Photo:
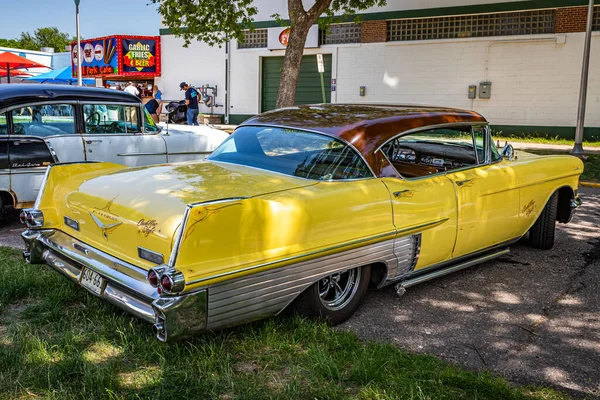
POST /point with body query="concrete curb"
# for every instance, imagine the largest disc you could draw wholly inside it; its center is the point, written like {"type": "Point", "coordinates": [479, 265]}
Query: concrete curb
{"type": "Point", "coordinates": [590, 185]}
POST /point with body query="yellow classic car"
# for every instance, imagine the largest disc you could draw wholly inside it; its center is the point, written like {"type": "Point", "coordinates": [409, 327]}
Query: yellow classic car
{"type": "Point", "coordinates": [304, 206]}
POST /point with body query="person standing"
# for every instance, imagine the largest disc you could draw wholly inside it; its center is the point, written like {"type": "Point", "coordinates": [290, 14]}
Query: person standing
{"type": "Point", "coordinates": [131, 89]}
{"type": "Point", "coordinates": [157, 95]}
{"type": "Point", "coordinates": [191, 101]}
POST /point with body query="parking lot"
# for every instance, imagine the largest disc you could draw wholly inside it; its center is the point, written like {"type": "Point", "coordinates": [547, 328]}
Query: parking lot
{"type": "Point", "coordinates": [532, 317]}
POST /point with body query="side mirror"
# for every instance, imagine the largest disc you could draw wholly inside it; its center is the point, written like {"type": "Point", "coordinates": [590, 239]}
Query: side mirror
{"type": "Point", "coordinates": [508, 152]}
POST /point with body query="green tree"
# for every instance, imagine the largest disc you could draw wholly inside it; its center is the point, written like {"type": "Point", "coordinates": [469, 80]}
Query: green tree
{"type": "Point", "coordinates": [216, 21]}
{"type": "Point", "coordinates": [13, 43]}
{"type": "Point", "coordinates": [42, 37]}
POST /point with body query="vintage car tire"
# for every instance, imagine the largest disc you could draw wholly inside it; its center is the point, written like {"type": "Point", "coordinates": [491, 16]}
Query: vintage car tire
{"type": "Point", "coordinates": [541, 234]}
{"type": "Point", "coordinates": [310, 303]}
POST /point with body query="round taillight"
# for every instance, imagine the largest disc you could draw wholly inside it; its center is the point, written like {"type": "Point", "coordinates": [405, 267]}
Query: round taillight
{"type": "Point", "coordinates": [22, 217]}
{"type": "Point", "coordinates": [29, 218]}
{"type": "Point", "coordinates": [153, 278]}
{"type": "Point", "coordinates": [159, 290]}
{"type": "Point", "coordinates": [166, 283]}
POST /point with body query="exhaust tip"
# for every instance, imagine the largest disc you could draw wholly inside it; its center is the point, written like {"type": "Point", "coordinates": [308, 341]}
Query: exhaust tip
{"type": "Point", "coordinates": [159, 331]}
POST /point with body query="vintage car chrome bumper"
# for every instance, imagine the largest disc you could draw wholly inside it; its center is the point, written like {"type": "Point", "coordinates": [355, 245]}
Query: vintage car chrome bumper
{"type": "Point", "coordinates": [124, 284]}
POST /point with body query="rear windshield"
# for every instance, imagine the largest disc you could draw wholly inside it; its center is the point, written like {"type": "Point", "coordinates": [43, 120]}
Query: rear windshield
{"type": "Point", "coordinates": [292, 152]}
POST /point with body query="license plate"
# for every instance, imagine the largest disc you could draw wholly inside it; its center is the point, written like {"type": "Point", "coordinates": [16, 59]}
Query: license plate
{"type": "Point", "coordinates": [92, 281]}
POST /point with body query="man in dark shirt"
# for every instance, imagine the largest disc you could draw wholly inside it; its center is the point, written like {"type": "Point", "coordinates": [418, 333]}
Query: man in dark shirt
{"type": "Point", "coordinates": [191, 101]}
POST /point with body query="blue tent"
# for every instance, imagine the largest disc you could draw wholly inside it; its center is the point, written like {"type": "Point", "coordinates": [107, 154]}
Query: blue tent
{"type": "Point", "coordinates": [61, 75]}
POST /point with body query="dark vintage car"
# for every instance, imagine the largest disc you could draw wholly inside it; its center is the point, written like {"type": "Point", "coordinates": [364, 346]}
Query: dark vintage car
{"type": "Point", "coordinates": [44, 124]}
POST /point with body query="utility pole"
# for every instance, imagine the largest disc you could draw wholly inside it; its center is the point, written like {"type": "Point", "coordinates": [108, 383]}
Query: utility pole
{"type": "Point", "coordinates": [79, 80]}
{"type": "Point", "coordinates": [578, 146]}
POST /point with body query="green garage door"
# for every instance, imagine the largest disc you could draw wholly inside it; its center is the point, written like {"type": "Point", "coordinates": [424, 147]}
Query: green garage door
{"type": "Point", "coordinates": [309, 83]}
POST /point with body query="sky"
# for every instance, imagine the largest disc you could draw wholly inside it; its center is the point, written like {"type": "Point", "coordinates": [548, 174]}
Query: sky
{"type": "Point", "coordinates": [96, 18]}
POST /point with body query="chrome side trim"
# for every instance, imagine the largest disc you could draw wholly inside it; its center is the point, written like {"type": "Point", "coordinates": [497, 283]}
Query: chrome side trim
{"type": "Point", "coordinates": [140, 154]}
{"type": "Point", "coordinates": [445, 271]}
{"type": "Point", "coordinates": [285, 260]}
{"type": "Point", "coordinates": [406, 250]}
{"type": "Point", "coordinates": [38, 199]}
{"type": "Point", "coordinates": [267, 293]}
{"type": "Point", "coordinates": [422, 226]}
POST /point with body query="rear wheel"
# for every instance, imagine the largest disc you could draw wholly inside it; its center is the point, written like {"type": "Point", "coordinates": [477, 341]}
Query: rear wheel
{"type": "Point", "coordinates": [335, 297]}
{"type": "Point", "coordinates": [541, 234]}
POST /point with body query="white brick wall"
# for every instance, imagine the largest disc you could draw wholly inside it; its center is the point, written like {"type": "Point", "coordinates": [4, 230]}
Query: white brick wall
{"type": "Point", "coordinates": [533, 83]}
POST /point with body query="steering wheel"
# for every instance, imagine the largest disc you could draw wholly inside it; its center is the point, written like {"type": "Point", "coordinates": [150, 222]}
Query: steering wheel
{"type": "Point", "coordinates": [115, 128]}
{"type": "Point", "coordinates": [89, 119]}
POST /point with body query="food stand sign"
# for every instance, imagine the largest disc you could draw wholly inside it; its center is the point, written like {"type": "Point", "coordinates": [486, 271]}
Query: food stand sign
{"type": "Point", "coordinates": [99, 57]}
{"type": "Point", "coordinates": [118, 56]}
{"type": "Point", "coordinates": [139, 55]}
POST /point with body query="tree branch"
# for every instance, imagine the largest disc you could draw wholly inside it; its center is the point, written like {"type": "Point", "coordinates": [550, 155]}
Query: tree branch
{"type": "Point", "coordinates": [318, 8]}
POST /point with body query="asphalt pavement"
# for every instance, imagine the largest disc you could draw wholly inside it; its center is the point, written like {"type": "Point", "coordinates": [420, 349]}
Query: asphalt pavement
{"type": "Point", "coordinates": [532, 316]}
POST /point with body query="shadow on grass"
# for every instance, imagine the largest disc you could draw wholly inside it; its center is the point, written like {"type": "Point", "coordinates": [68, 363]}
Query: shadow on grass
{"type": "Point", "coordinates": [58, 341]}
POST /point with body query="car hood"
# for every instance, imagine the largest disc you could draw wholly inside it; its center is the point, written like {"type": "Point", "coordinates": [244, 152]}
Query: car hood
{"type": "Point", "coordinates": [143, 207]}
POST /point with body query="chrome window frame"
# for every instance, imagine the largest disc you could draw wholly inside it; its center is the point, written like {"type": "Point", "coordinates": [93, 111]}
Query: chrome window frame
{"type": "Point", "coordinates": [373, 175]}
{"type": "Point", "coordinates": [487, 144]}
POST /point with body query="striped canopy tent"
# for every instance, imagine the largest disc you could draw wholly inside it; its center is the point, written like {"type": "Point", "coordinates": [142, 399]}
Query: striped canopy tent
{"type": "Point", "coordinates": [10, 62]}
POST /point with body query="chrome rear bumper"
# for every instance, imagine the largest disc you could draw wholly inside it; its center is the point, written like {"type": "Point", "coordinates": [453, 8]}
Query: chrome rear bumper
{"type": "Point", "coordinates": [124, 285]}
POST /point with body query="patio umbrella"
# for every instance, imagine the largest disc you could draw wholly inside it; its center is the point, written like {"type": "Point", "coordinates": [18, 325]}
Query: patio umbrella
{"type": "Point", "coordinates": [61, 75]}
{"type": "Point", "coordinates": [10, 61]}
{"type": "Point", "coordinates": [13, 72]}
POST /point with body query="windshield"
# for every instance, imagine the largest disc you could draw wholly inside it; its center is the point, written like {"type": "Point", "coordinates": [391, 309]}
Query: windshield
{"type": "Point", "coordinates": [292, 152]}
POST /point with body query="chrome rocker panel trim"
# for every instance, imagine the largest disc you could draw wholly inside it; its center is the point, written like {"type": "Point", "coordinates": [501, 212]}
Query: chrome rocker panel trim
{"type": "Point", "coordinates": [125, 284]}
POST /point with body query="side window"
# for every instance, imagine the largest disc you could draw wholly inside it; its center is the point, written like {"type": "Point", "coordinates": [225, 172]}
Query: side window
{"type": "Point", "coordinates": [3, 125]}
{"type": "Point", "coordinates": [111, 118]}
{"type": "Point", "coordinates": [44, 120]}
{"type": "Point", "coordinates": [149, 124]}
{"type": "Point", "coordinates": [436, 151]}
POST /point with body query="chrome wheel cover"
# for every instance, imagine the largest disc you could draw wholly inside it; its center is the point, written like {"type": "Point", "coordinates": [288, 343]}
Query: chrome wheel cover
{"type": "Point", "coordinates": [337, 290]}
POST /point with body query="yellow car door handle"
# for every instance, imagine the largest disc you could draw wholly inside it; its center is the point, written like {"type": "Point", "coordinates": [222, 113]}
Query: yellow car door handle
{"type": "Point", "coordinates": [460, 183]}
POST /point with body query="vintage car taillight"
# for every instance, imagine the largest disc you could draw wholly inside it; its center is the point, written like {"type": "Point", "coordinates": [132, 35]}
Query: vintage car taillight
{"type": "Point", "coordinates": [32, 218]}
{"type": "Point", "coordinates": [153, 278]}
{"type": "Point", "coordinates": [172, 281]}
{"type": "Point", "coordinates": [166, 282]}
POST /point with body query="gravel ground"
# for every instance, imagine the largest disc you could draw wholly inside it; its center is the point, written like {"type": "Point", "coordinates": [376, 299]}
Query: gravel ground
{"type": "Point", "coordinates": [532, 316]}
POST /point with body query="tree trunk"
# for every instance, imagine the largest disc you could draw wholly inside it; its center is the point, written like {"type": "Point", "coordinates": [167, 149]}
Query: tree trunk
{"type": "Point", "coordinates": [301, 22]}
{"type": "Point", "coordinates": [292, 62]}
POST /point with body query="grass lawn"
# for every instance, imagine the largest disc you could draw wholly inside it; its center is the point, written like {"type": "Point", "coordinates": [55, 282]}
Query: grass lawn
{"type": "Point", "coordinates": [591, 172]}
{"type": "Point", "coordinates": [59, 342]}
{"type": "Point", "coordinates": [542, 138]}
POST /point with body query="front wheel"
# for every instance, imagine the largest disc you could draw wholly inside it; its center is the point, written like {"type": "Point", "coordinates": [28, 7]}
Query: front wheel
{"type": "Point", "coordinates": [335, 297]}
{"type": "Point", "coordinates": [541, 234]}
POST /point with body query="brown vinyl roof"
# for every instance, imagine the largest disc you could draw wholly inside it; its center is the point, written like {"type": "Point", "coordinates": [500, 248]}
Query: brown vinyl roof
{"type": "Point", "coordinates": [366, 126]}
